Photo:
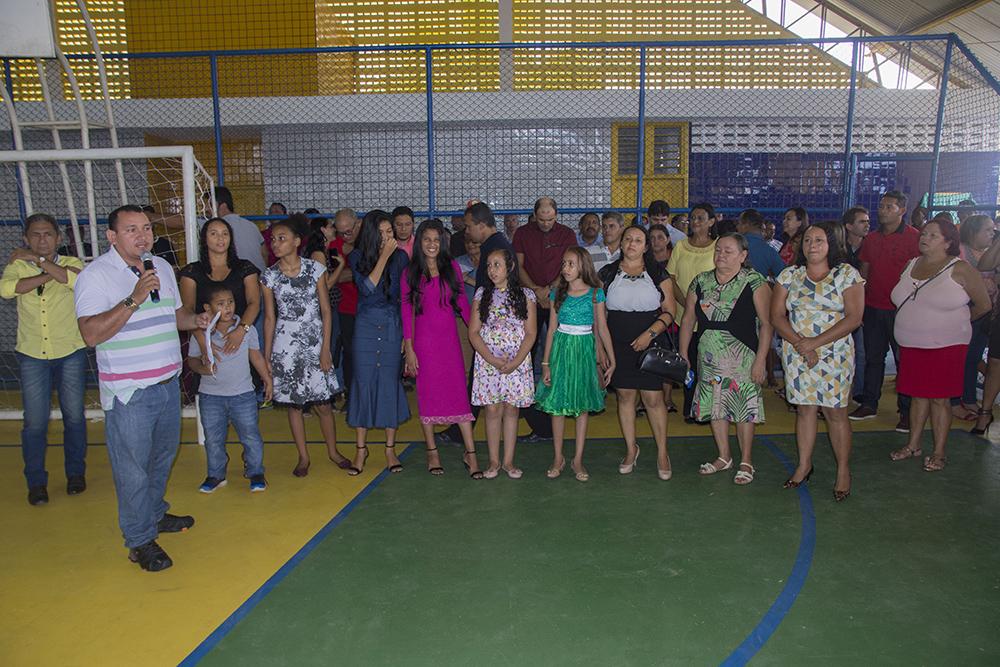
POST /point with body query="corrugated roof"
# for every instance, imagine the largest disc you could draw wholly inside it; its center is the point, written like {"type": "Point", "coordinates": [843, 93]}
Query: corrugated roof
{"type": "Point", "coordinates": [976, 22]}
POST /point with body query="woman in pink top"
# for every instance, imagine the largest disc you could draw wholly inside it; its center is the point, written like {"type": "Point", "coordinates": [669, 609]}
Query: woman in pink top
{"type": "Point", "coordinates": [933, 328]}
{"type": "Point", "coordinates": [432, 299]}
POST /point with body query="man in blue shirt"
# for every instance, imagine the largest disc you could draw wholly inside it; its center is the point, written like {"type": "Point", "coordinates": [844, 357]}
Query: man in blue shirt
{"type": "Point", "coordinates": [763, 257]}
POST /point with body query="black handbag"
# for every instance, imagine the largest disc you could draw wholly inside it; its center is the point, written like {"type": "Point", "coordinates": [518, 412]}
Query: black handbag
{"type": "Point", "coordinates": [662, 361]}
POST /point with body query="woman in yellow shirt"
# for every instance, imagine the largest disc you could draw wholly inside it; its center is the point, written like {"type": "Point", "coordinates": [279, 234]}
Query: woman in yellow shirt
{"type": "Point", "coordinates": [693, 255]}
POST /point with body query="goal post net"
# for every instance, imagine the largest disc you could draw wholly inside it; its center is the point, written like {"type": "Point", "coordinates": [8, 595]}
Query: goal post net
{"type": "Point", "coordinates": [79, 187]}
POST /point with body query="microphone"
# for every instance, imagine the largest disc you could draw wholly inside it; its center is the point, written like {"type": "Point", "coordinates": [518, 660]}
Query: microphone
{"type": "Point", "coordinates": [147, 264]}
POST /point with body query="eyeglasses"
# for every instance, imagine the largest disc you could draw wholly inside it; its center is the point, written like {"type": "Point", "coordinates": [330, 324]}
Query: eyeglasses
{"type": "Point", "coordinates": [40, 289]}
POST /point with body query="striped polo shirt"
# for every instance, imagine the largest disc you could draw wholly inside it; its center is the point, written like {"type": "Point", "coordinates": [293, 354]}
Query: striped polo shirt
{"type": "Point", "coordinates": [147, 349]}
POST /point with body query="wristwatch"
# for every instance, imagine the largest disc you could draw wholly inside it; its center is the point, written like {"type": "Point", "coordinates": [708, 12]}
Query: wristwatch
{"type": "Point", "coordinates": [246, 328]}
{"type": "Point", "coordinates": [130, 303]}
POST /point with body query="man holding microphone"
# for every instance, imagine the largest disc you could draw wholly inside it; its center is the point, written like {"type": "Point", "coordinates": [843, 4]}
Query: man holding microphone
{"type": "Point", "coordinates": [129, 307]}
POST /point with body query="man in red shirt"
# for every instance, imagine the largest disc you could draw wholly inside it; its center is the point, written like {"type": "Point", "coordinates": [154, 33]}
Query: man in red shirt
{"type": "Point", "coordinates": [884, 254]}
{"type": "Point", "coordinates": [539, 246]}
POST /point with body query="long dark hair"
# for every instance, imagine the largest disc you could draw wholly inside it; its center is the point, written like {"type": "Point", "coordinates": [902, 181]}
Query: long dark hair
{"type": "Point", "coordinates": [835, 254]}
{"type": "Point", "coordinates": [317, 239]}
{"type": "Point", "coordinates": [515, 294]}
{"type": "Point", "coordinates": [419, 270]}
{"type": "Point", "coordinates": [588, 274]}
{"type": "Point", "coordinates": [369, 244]}
{"type": "Point", "coordinates": [232, 259]}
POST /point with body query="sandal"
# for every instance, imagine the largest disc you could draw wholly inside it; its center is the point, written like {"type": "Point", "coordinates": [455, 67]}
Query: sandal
{"type": "Point", "coordinates": [975, 430]}
{"type": "Point", "coordinates": [491, 472]}
{"type": "Point", "coordinates": [581, 475]}
{"type": "Point", "coordinates": [905, 453]}
{"type": "Point", "coordinates": [395, 467]}
{"type": "Point", "coordinates": [711, 468]}
{"type": "Point", "coordinates": [744, 477]}
{"type": "Point", "coordinates": [513, 472]}
{"type": "Point", "coordinates": [301, 470]}
{"type": "Point", "coordinates": [552, 473]}
{"type": "Point", "coordinates": [934, 463]}
{"type": "Point", "coordinates": [478, 474]}
{"type": "Point", "coordinates": [354, 471]}
{"type": "Point", "coordinates": [436, 470]}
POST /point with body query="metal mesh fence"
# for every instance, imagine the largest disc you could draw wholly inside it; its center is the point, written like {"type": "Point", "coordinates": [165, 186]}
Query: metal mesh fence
{"type": "Point", "coordinates": [968, 167]}
{"type": "Point", "coordinates": [767, 125]}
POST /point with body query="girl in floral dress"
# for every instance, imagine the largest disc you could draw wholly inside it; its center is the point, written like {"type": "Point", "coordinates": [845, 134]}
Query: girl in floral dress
{"type": "Point", "coordinates": [297, 321]}
{"type": "Point", "coordinates": [502, 331]}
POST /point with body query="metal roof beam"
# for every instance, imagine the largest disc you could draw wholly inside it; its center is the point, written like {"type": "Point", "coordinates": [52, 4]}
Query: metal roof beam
{"type": "Point", "coordinates": [965, 8]}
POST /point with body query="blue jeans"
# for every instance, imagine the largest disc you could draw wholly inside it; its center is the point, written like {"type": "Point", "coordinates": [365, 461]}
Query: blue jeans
{"type": "Point", "coordinates": [143, 437]}
{"type": "Point", "coordinates": [858, 387]}
{"type": "Point", "coordinates": [216, 413]}
{"type": "Point", "coordinates": [37, 378]}
{"type": "Point", "coordinates": [877, 330]}
{"type": "Point", "coordinates": [335, 347]}
{"type": "Point", "coordinates": [258, 324]}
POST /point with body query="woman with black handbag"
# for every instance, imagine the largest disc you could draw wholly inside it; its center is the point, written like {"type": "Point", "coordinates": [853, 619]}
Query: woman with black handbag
{"type": "Point", "coordinates": [641, 306]}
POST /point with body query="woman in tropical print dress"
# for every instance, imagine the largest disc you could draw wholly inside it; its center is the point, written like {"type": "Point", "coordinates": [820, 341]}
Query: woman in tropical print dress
{"type": "Point", "coordinates": [731, 307]}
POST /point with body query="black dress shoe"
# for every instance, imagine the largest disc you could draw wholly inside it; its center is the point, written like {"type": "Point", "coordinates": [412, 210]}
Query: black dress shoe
{"type": "Point", "coordinates": [531, 437]}
{"type": "Point", "coordinates": [38, 495]}
{"type": "Point", "coordinates": [76, 484]}
{"type": "Point", "coordinates": [150, 557]}
{"type": "Point", "coordinates": [171, 523]}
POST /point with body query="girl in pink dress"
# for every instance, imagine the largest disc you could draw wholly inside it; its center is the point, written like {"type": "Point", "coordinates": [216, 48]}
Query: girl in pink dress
{"type": "Point", "coordinates": [502, 331]}
{"type": "Point", "coordinates": [432, 298]}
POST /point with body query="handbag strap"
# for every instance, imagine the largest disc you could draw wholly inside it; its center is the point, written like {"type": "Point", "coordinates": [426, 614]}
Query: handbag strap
{"type": "Point", "coordinates": [925, 283]}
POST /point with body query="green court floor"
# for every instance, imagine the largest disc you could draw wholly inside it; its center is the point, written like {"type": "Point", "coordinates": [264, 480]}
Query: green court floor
{"type": "Point", "coordinates": [629, 570]}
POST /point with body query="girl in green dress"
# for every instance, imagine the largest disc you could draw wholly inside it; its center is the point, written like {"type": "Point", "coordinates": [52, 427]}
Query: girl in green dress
{"type": "Point", "coordinates": [572, 384]}
{"type": "Point", "coordinates": [731, 306]}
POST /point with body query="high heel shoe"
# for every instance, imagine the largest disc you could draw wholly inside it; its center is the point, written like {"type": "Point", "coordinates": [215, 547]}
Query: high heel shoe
{"type": "Point", "coordinates": [624, 469]}
{"type": "Point", "coordinates": [435, 470]}
{"type": "Point", "coordinates": [396, 467]}
{"type": "Point", "coordinates": [790, 484]}
{"type": "Point", "coordinates": [354, 471]}
{"type": "Point", "coordinates": [478, 474]}
{"type": "Point", "coordinates": [975, 430]}
{"type": "Point", "coordinates": [552, 473]}
{"type": "Point", "coordinates": [841, 496]}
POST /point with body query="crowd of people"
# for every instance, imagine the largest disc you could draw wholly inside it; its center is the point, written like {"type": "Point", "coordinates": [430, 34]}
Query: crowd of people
{"type": "Point", "coordinates": [318, 314]}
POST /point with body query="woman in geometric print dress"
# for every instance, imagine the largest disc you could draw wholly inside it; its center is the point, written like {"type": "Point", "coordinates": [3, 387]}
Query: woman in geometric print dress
{"type": "Point", "coordinates": [817, 303]}
{"type": "Point", "coordinates": [731, 306]}
{"type": "Point", "coordinates": [297, 321]}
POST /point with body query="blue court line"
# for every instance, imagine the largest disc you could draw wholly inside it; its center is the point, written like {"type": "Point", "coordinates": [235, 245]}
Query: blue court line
{"type": "Point", "coordinates": [796, 580]}
{"type": "Point", "coordinates": [241, 612]}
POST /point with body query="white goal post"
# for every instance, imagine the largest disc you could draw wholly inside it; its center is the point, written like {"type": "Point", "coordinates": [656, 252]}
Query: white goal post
{"type": "Point", "coordinates": [167, 178]}
{"type": "Point", "coordinates": [184, 153]}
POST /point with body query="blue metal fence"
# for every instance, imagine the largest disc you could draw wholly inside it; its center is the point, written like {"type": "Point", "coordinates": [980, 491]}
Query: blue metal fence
{"type": "Point", "coordinates": [769, 181]}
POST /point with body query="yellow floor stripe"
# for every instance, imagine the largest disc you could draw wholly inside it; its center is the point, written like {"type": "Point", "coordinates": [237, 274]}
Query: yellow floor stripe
{"type": "Point", "coordinates": [71, 597]}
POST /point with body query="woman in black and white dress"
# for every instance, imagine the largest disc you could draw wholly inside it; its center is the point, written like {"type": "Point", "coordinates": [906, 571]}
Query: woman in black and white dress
{"type": "Point", "coordinates": [641, 306]}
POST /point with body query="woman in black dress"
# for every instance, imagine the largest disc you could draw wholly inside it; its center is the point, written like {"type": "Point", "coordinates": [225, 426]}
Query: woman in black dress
{"type": "Point", "coordinates": [641, 306]}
